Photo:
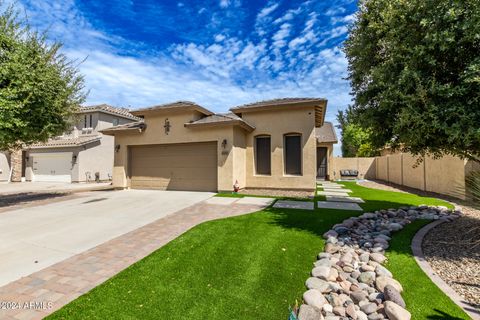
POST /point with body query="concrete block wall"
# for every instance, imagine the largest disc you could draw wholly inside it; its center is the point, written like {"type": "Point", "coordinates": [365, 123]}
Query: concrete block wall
{"type": "Point", "coordinates": [445, 175]}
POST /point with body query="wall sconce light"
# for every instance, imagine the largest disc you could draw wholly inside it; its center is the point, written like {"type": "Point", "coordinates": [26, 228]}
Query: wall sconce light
{"type": "Point", "coordinates": [117, 148]}
{"type": "Point", "coordinates": [27, 158]}
{"type": "Point", "coordinates": [74, 158]}
{"type": "Point", "coordinates": [224, 143]}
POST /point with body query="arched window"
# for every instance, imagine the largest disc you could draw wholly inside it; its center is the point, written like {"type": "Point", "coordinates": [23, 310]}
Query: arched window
{"type": "Point", "coordinates": [263, 155]}
{"type": "Point", "coordinates": [292, 146]}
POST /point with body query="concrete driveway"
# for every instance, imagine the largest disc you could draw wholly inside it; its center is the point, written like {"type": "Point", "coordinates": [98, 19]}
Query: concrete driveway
{"type": "Point", "coordinates": [50, 187]}
{"type": "Point", "coordinates": [36, 237]}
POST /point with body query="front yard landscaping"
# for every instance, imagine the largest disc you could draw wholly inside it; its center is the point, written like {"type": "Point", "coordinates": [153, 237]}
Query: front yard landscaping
{"type": "Point", "coordinates": [252, 267]}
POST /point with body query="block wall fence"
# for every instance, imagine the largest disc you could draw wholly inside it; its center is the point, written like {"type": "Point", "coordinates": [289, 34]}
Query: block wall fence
{"type": "Point", "coordinates": [445, 175]}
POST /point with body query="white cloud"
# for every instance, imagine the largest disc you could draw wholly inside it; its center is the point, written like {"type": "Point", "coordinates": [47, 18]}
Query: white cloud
{"type": "Point", "coordinates": [263, 18]}
{"type": "Point", "coordinates": [221, 73]}
{"type": "Point", "coordinates": [290, 15]}
{"type": "Point", "coordinates": [279, 38]}
{"type": "Point", "coordinates": [267, 10]}
{"type": "Point", "coordinates": [219, 37]}
{"type": "Point", "coordinates": [224, 3]}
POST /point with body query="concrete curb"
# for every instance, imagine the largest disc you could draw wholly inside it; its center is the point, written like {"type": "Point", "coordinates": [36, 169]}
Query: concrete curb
{"type": "Point", "coordinates": [422, 262]}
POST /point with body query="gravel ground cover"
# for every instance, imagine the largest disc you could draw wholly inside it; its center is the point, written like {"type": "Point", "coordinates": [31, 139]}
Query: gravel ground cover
{"type": "Point", "coordinates": [453, 249]}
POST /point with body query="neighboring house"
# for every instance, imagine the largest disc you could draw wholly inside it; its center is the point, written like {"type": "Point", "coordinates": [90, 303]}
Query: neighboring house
{"type": "Point", "coordinates": [183, 146]}
{"type": "Point", "coordinates": [82, 154]}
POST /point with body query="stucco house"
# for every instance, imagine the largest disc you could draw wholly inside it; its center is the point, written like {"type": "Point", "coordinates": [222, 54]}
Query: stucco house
{"type": "Point", "coordinates": [82, 154]}
{"type": "Point", "coordinates": [183, 146]}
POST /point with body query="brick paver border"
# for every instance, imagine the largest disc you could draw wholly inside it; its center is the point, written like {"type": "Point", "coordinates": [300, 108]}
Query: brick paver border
{"type": "Point", "coordinates": [53, 287]}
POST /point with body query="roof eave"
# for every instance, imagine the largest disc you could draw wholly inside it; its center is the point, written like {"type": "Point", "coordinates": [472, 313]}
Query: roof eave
{"type": "Point", "coordinates": [273, 106]}
{"type": "Point", "coordinates": [172, 109]}
{"type": "Point", "coordinates": [320, 111]}
{"type": "Point", "coordinates": [239, 123]}
{"type": "Point", "coordinates": [63, 146]}
{"type": "Point", "coordinates": [328, 141]}
{"type": "Point", "coordinates": [110, 113]}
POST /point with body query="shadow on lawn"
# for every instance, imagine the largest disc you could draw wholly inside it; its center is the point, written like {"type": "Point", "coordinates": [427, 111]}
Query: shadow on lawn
{"type": "Point", "coordinates": [442, 316]}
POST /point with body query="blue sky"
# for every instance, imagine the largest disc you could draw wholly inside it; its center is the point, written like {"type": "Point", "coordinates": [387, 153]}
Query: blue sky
{"type": "Point", "coordinates": [218, 53]}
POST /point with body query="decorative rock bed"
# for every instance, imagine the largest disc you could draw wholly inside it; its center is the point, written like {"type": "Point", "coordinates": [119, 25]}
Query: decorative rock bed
{"type": "Point", "coordinates": [348, 280]}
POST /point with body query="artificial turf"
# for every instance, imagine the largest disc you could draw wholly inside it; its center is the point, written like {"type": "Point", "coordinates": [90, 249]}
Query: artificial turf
{"type": "Point", "coordinates": [246, 267]}
{"type": "Point", "coordinates": [423, 298]}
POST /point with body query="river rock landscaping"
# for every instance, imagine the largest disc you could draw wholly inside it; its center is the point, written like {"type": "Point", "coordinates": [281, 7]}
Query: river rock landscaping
{"type": "Point", "coordinates": [348, 280]}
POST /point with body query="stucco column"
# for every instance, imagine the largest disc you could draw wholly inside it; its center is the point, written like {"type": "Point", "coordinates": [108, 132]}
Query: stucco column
{"type": "Point", "coordinates": [16, 164]}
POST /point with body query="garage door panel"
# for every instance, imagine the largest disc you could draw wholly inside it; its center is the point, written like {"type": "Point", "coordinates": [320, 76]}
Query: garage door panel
{"type": "Point", "coordinates": [184, 174]}
{"type": "Point", "coordinates": [55, 167]}
{"type": "Point", "coordinates": [190, 166]}
{"type": "Point", "coordinates": [177, 162]}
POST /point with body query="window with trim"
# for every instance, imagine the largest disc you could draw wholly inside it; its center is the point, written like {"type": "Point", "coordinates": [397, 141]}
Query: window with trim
{"type": "Point", "coordinates": [263, 155]}
{"type": "Point", "coordinates": [292, 147]}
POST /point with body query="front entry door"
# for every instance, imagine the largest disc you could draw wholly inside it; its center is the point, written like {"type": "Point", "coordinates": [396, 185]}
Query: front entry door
{"type": "Point", "coordinates": [322, 162]}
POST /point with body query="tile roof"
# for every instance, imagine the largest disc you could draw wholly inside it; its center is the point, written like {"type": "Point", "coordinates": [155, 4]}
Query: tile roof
{"type": "Point", "coordinates": [139, 125]}
{"type": "Point", "coordinates": [326, 133]}
{"type": "Point", "coordinates": [276, 102]}
{"type": "Point", "coordinates": [225, 118]}
{"type": "Point", "coordinates": [66, 142]}
{"type": "Point", "coordinates": [123, 112]}
{"type": "Point", "coordinates": [173, 105]}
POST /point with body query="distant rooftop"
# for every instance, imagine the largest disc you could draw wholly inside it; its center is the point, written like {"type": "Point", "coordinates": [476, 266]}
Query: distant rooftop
{"type": "Point", "coordinates": [65, 142]}
{"type": "Point", "coordinates": [277, 102]}
{"type": "Point", "coordinates": [173, 105]}
{"type": "Point", "coordinates": [123, 112]}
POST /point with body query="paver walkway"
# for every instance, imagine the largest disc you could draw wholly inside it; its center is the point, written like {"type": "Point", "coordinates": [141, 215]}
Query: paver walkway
{"type": "Point", "coordinates": [337, 197]}
{"type": "Point", "coordinates": [43, 292]}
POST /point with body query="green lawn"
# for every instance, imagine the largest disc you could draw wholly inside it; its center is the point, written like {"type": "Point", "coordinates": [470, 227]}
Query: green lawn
{"type": "Point", "coordinates": [423, 298]}
{"type": "Point", "coordinates": [247, 267]}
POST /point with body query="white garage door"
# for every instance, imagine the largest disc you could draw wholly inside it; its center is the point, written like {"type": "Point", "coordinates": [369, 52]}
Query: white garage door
{"type": "Point", "coordinates": [56, 167]}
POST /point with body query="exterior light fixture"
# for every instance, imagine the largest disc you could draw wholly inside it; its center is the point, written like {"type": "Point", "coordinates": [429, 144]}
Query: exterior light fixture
{"type": "Point", "coordinates": [74, 158]}
{"type": "Point", "coordinates": [117, 148]}
{"type": "Point", "coordinates": [224, 143]}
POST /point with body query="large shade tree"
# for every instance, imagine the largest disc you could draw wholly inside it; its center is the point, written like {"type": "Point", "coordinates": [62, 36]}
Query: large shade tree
{"type": "Point", "coordinates": [40, 88]}
{"type": "Point", "coordinates": [356, 140]}
{"type": "Point", "coordinates": [414, 68]}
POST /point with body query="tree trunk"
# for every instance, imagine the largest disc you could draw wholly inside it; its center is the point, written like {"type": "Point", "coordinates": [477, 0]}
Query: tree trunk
{"type": "Point", "coordinates": [16, 165]}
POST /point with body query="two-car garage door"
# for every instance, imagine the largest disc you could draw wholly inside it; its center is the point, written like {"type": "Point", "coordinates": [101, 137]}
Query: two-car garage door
{"type": "Point", "coordinates": [186, 166]}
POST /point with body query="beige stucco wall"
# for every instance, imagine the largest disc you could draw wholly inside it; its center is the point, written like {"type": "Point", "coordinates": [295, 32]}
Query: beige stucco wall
{"type": "Point", "coordinates": [276, 124]}
{"type": "Point", "coordinates": [413, 172]}
{"type": "Point", "coordinates": [382, 168]}
{"type": "Point", "coordinates": [4, 166]}
{"type": "Point", "coordinates": [366, 166]}
{"type": "Point", "coordinates": [96, 157]}
{"type": "Point", "coordinates": [445, 175]}
{"type": "Point", "coordinates": [239, 157]}
{"type": "Point", "coordinates": [155, 134]}
{"type": "Point", "coordinates": [395, 168]}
